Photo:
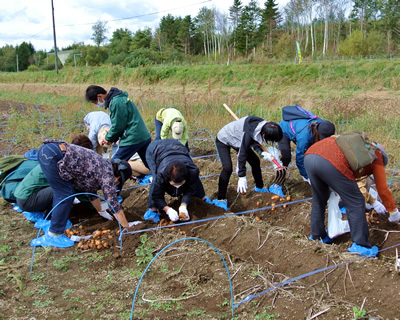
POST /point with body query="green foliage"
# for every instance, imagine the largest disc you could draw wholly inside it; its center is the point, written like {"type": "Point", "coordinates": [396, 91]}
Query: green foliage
{"type": "Point", "coordinates": [94, 56]}
{"type": "Point", "coordinates": [144, 252]}
{"type": "Point", "coordinates": [359, 313]}
{"type": "Point", "coordinates": [25, 52]}
{"type": "Point", "coordinates": [99, 32]}
{"type": "Point", "coordinates": [33, 68]}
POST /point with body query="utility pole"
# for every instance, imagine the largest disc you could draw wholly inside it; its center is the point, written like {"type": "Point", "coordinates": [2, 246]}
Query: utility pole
{"type": "Point", "coordinates": [54, 36]}
{"type": "Point", "coordinates": [17, 64]}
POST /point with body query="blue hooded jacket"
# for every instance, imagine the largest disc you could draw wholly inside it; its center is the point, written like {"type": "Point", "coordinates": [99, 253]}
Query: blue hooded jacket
{"type": "Point", "coordinates": [298, 131]}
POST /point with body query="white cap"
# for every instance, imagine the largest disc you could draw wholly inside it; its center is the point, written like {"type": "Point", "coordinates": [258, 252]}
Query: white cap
{"type": "Point", "coordinates": [177, 130]}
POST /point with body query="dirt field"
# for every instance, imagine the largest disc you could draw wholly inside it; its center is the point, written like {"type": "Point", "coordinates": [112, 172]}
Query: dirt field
{"type": "Point", "coordinates": [262, 249]}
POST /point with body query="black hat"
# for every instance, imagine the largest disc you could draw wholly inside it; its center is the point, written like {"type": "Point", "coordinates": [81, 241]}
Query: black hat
{"type": "Point", "coordinates": [326, 129]}
{"type": "Point", "coordinates": [125, 171]}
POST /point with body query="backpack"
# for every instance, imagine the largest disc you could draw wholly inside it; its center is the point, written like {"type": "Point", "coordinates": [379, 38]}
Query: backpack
{"type": "Point", "coordinates": [11, 181]}
{"type": "Point", "coordinates": [357, 149]}
{"type": "Point", "coordinates": [296, 112]}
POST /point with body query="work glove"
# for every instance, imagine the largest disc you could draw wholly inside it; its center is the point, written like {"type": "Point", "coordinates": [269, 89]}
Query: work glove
{"type": "Point", "coordinates": [152, 216]}
{"type": "Point", "coordinates": [134, 223]}
{"type": "Point", "coordinates": [378, 207]}
{"type": "Point", "coordinates": [183, 213]}
{"type": "Point", "coordinates": [307, 180]}
{"type": "Point", "coordinates": [106, 215]}
{"type": "Point", "coordinates": [172, 214]}
{"type": "Point", "coordinates": [394, 216]}
{"type": "Point", "coordinates": [242, 185]}
{"type": "Point", "coordinates": [266, 156]}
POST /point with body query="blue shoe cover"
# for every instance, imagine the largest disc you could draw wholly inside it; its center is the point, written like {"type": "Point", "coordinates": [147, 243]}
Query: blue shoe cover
{"type": "Point", "coordinates": [221, 204]}
{"type": "Point", "coordinates": [260, 189]}
{"type": "Point", "coordinates": [49, 241]}
{"type": "Point", "coordinates": [274, 188]}
{"type": "Point", "coordinates": [326, 240]}
{"type": "Point", "coordinates": [207, 200]}
{"type": "Point", "coordinates": [363, 251]}
{"type": "Point", "coordinates": [16, 208]}
{"type": "Point", "coordinates": [45, 225]}
{"type": "Point", "coordinates": [343, 210]}
{"type": "Point", "coordinates": [120, 199]}
{"type": "Point", "coordinates": [152, 216]}
{"type": "Point", "coordinates": [145, 180]}
{"type": "Point", "coordinates": [33, 216]}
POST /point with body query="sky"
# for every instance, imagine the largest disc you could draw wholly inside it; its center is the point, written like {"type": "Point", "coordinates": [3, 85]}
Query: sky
{"type": "Point", "coordinates": [31, 21]}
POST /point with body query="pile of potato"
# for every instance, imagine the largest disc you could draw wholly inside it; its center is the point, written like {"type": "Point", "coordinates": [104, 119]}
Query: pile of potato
{"type": "Point", "coordinates": [99, 240]}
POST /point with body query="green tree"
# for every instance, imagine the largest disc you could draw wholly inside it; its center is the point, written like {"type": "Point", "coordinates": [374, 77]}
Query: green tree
{"type": "Point", "coordinates": [142, 39]}
{"type": "Point", "coordinates": [99, 32]}
{"type": "Point", "coordinates": [120, 41]}
{"type": "Point", "coordinates": [235, 13]}
{"type": "Point", "coordinates": [391, 21]}
{"type": "Point", "coordinates": [94, 56]}
{"type": "Point", "coordinates": [269, 20]}
{"type": "Point", "coordinates": [8, 61]}
{"type": "Point", "coordinates": [205, 26]}
{"type": "Point", "coordinates": [25, 53]}
{"type": "Point", "coordinates": [247, 28]}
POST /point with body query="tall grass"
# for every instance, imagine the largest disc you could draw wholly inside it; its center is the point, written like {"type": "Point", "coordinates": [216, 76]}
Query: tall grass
{"type": "Point", "coordinates": [362, 93]}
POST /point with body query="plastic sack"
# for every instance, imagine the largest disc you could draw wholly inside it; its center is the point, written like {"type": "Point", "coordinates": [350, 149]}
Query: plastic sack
{"type": "Point", "coordinates": [336, 226]}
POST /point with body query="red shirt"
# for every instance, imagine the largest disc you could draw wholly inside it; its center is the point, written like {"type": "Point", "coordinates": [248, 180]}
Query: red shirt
{"type": "Point", "coordinates": [329, 150]}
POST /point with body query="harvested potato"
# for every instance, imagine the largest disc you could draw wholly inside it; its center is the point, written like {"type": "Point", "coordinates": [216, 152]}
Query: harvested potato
{"type": "Point", "coordinates": [182, 232]}
{"type": "Point", "coordinates": [288, 198]}
{"type": "Point", "coordinates": [274, 197]}
{"type": "Point", "coordinates": [258, 219]}
{"type": "Point", "coordinates": [183, 216]}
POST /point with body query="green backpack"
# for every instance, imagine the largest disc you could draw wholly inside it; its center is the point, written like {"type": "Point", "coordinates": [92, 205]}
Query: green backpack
{"type": "Point", "coordinates": [357, 148]}
{"type": "Point", "coordinates": [14, 177]}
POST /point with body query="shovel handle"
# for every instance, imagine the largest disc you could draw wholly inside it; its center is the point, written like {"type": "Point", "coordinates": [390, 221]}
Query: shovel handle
{"type": "Point", "coordinates": [260, 145]}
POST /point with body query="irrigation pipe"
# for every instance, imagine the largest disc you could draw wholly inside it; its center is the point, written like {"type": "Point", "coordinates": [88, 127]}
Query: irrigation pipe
{"type": "Point", "coordinates": [37, 130]}
{"type": "Point", "coordinates": [340, 128]}
{"type": "Point", "coordinates": [391, 178]}
{"type": "Point", "coordinates": [212, 137]}
{"type": "Point", "coordinates": [73, 195]}
{"type": "Point", "coordinates": [184, 239]}
{"type": "Point", "coordinates": [74, 126]}
{"type": "Point", "coordinates": [305, 275]}
{"type": "Point", "coordinates": [215, 218]}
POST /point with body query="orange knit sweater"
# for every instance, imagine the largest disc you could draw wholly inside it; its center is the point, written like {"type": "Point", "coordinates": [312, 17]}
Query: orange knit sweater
{"type": "Point", "coordinates": [329, 150]}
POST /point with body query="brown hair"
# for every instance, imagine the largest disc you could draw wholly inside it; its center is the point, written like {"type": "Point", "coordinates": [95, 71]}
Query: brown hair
{"type": "Point", "coordinates": [83, 141]}
{"type": "Point", "coordinates": [314, 131]}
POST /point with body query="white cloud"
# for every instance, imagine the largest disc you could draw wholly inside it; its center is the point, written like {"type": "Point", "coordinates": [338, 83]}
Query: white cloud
{"type": "Point", "coordinates": [31, 21]}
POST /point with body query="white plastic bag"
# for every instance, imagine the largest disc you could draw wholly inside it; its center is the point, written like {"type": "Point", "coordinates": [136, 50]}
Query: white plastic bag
{"type": "Point", "coordinates": [336, 226]}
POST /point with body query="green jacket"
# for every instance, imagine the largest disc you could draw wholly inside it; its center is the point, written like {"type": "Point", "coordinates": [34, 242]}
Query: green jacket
{"type": "Point", "coordinates": [34, 181]}
{"type": "Point", "coordinates": [168, 116]}
{"type": "Point", "coordinates": [127, 124]}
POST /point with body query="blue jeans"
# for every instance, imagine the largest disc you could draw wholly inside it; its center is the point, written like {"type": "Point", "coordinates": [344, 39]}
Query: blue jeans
{"type": "Point", "coordinates": [126, 152]}
{"type": "Point", "coordinates": [49, 155]}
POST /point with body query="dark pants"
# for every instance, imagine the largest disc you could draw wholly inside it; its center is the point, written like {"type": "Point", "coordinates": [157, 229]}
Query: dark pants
{"type": "Point", "coordinates": [284, 147]}
{"type": "Point", "coordinates": [49, 155]}
{"type": "Point", "coordinates": [323, 175]}
{"type": "Point", "coordinates": [224, 152]}
{"type": "Point", "coordinates": [126, 152]}
{"type": "Point", "coordinates": [38, 201]}
{"type": "Point", "coordinates": [158, 125]}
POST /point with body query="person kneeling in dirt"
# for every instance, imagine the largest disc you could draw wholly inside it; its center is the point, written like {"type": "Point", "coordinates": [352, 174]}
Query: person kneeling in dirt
{"type": "Point", "coordinates": [171, 120]}
{"type": "Point", "coordinates": [175, 173]}
{"type": "Point", "coordinates": [327, 167]}
{"type": "Point", "coordinates": [298, 127]}
{"type": "Point", "coordinates": [242, 135]}
{"type": "Point", "coordinates": [65, 165]}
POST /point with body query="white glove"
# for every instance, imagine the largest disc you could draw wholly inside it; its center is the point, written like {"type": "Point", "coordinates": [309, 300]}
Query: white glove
{"type": "Point", "coordinates": [104, 206]}
{"type": "Point", "coordinates": [106, 215]}
{"type": "Point", "coordinates": [183, 213]}
{"type": "Point", "coordinates": [134, 223]}
{"type": "Point", "coordinates": [172, 214]}
{"type": "Point", "coordinates": [242, 185]}
{"type": "Point", "coordinates": [378, 207]}
{"type": "Point", "coordinates": [267, 156]}
{"type": "Point", "coordinates": [307, 180]}
{"type": "Point", "coordinates": [394, 216]}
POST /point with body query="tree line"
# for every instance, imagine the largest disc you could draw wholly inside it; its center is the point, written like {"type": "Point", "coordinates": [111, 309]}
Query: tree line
{"type": "Point", "coordinates": [324, 28]}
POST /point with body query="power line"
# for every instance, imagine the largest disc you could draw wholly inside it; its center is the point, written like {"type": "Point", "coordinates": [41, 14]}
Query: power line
{"type": "Point", "coordinates": [134, 17]}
